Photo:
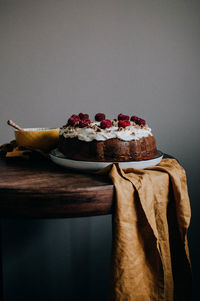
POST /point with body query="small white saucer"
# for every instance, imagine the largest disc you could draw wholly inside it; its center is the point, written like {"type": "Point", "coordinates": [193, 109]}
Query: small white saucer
{"type": "Point", "coordinates": [58, 158]}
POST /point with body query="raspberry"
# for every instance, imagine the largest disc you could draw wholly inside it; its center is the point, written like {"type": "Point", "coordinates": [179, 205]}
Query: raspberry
{"type": "Point", "coordinates": [105, 124]}
{"type": "Point", "coordinates": [123, 123]}
{"type": "Point", "coordinates": [123, 117]}
{"type": "Point", "coordinates": [138, 120]}
{"type": "Point", "coordinates": [141, 122]}
{"type": "Point", "coordinates": [83, 116]}
{"type": "Point", "coordinates": [73, 119]}
{"type": "Point", "coordinates": [84, 122]}
{"type": "Point", "coordinates": [100, 117]}
{"type": "Point", "coordinates": [134, 118]}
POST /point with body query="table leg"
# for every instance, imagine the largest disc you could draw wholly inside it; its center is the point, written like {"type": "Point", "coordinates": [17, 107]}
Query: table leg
{"type": "Point", "coordinates": [1, 264]}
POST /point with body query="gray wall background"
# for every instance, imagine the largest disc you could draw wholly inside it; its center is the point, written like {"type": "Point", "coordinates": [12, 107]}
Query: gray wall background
{"type": "Point", "coordinates": [63, 57]}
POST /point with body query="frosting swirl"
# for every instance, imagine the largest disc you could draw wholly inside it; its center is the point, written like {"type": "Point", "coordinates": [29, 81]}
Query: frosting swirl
{"type": "Point", "coordinates": [94, 132]}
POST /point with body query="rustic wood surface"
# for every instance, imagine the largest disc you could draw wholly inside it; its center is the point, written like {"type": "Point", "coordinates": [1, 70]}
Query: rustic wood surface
{"type": "Point", "coordinates": [42, 189]}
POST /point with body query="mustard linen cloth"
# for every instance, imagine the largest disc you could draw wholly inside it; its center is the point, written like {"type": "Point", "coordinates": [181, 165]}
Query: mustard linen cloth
{"type": "Point", "coordinates": [150, 257]}
{"type": "Point", "coordinates": [13, 150]}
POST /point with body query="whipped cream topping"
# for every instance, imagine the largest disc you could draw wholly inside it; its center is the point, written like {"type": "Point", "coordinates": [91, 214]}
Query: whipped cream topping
{"type": "Point", "coordinates": [94, 132]}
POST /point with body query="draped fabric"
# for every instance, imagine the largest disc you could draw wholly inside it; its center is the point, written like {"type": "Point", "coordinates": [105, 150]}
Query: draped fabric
{"type": "Point", "coordinates": [150, 257]}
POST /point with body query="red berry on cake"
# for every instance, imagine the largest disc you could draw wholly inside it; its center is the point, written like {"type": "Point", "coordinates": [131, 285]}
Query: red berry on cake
{"type": "Point", "coordinates": [105, 124]}
{"type": "Point", "coordinates": [100, 117]}
{"type": "Point", "coordinates": [138, 120]}
{"type": "Point", "coordinates": [83, 116]}
{"type": "Point", "coordinates": [123, 117]}
{"type": "Point", "coordinates": [141, 122]}
{"type": "Point", "coordinates": [73, 119]}
{"type": "Point", "coordinates": [134, 118]}
{"type": "Point", "coordinates": [84, 122]}
{"type": "Point", "coordinates": [75, 116]}
{"type": "Point", "coordinates": [123, 123]}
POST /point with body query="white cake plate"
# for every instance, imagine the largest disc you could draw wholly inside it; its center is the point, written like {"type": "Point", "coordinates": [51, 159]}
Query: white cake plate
{"type": "Point", "coordinates": [58, 158]}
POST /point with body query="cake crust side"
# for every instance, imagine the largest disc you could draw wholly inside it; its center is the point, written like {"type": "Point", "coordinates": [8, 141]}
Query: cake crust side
{"type": "Point", "coordinates": [111, 150]}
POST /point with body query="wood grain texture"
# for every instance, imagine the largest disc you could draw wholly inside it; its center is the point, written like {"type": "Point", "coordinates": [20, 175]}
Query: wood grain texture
{"type": "Point", "coordinates": [45, 190]}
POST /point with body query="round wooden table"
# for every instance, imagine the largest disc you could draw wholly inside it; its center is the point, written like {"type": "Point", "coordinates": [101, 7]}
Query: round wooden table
{"type": "Point", "coordinates": [42, 189]}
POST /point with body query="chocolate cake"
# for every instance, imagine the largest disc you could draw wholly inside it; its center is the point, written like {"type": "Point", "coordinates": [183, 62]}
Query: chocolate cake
{"type": "Point", "coordinates": [119, 140]}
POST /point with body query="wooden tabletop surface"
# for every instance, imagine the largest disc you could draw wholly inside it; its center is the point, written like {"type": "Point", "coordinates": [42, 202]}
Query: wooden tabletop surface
{"type": "Point", "coordinates": [42, 190]}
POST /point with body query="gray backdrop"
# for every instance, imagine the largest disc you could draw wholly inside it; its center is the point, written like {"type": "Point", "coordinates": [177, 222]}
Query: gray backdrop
{"type": "Point", "coordinates": [62, 57]}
